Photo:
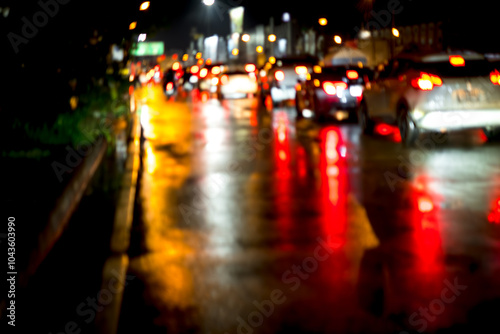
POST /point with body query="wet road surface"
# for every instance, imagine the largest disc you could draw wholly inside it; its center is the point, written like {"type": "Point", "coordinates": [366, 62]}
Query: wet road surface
{"type": "Point", "coordinates": [248, 222]}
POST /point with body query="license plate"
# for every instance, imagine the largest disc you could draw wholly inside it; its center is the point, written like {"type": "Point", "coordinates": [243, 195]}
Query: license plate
{"type": "Point", "coordinates": [339, 115]}
{"type": "Point", "coordinates": [468, 95]}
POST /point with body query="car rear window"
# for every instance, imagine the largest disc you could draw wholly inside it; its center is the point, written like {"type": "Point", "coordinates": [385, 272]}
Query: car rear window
{"type": "Point", "coordinates": [472, 68]}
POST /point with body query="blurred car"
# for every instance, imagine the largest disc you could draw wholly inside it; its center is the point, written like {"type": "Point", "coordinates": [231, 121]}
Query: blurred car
{"type": "Point", "coordinates": [208, 77]}
{"type": "Point", "coordinates": [283, 76]}
{"type": "Point", "coordinates": [238, 82]}
{"type": "Point", "coordinates": [434, 92]}
{"type": "Point", "coordinates": [169, 82]}
{"type": "Point", "coordinates": [331, 92]}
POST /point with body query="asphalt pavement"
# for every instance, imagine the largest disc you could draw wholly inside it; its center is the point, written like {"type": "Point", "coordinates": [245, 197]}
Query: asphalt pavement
{"type": "Point", "coordinates": [250, 222]}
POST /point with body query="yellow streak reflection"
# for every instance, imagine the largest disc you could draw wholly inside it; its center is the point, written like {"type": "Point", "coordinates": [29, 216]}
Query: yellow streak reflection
{"type": "Point", "coordinates": [164, 266]}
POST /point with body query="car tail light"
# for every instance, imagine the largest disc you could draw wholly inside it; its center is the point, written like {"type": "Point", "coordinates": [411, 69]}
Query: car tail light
{"type": "Point", "coordinates": [215, 70]}
{"type": "Point", "coordinates": [457, 61]}
{"type": "Point", "coordinates": [301, 70]}
{"type": "Point", "coordinates": [426, 81]}
{"type": "Point", "coordinates": [352, 74]}
{"type": "Point", "coordinates": [279, 75]}
{"type": "Point", "coordinates": [331, 88]}
{"type": "Point", "coordinates": [195, 69]}
{"type": "Point", "coordinates": [250, 68]}
{"type": "Point", "coordinates": [170, 85]}
{"type": "Point", "coordinates": [495, 77]}
{"type": "Point", "coordinates": [203, 72]}
{"type": "Point", "coordinates": [224, 79]}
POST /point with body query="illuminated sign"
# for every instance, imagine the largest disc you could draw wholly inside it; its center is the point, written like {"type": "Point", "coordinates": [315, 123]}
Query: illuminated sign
{"type": "Point", "coordinates": [148, 49]}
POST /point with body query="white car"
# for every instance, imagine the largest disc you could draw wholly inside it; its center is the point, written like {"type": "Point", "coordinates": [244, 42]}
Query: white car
{"type": "Point", "coordinates": [435, 92]}
{"type": "Point", "coordinates": [238, 84]}
{"type": "Point", "coordinates": [284, 75]}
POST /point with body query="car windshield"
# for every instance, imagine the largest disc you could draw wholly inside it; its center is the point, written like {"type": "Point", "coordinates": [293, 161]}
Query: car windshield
{"type": "Point", "coordinates": [471, 68]}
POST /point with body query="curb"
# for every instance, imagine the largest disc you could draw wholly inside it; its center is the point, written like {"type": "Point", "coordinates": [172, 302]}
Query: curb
{"type": "Point", "coordinates": [65, 206]}
{"type": "Point", "coordinates": [115, 267]}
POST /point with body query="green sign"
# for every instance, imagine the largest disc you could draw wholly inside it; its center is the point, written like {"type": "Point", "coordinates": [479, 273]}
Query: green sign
{"type": "Point", "coordinates": [148, 49]}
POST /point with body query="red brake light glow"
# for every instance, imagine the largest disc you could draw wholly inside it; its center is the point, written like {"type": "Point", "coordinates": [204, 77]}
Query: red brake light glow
{"type": "Point", "coordinates": [301, 70]}
{"type": "Point", "coordinates": [352, 74]}
{"type": "Point", "coordinates": [331, 87]}
{"type": "Point", "coordinates": [426, 81]}
{"type": "Point", "coordinates": [195, 69]}
{"type": "Point", "coordinates": [279, 75]}
{"type": "Point", "coordinates": [170, 85]}
{"type": "Point", "coordinates": [215, 70]}
{"type": "Point", "coordinates": [250, 68]}
{"type": "Point", "coordinates": [425, 204]}
{"type": "Point", "coordinates": [495, 77]}
{"type": "Point", "coordinates": [457, 61]}
{"type": "Point", "coordinates": [224, 79]}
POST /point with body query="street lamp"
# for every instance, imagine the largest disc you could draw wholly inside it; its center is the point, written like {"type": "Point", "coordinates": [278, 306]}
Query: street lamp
{"type": "Point", "coordinates": [245, 38]}
{"type": "Point", "coordinates": [395, 32]}
{"type": "Point", "coordinates": [272, 38]}
{"type": "Point", "coordinates": [322, 21]}
{"type": "Point", "coordinates": [144, 5]}
{"type": "Point", "coordinates": [208, 2]}
{"type": "Point", "coordinates": [132, 25]}
{"type": "Point", "coordinates": [235, 52]}
{"type": "Point", "coordinates": [259, 49]}
{"type": "Point", "coordinates": [337, 39]}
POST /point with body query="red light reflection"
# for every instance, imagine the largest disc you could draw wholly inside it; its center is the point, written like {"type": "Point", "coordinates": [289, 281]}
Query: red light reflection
{"type": "Point", "coordinates": [388, 130]}
{"type": "Point", "coordinates": [494, 215]}
{"type": "Point", "coordinates": [425, 245]}
{"type": "Point", "coordinates": [282, 178]}
{"type": "Point", "coordinates": [333, 186]}
{"type": "Point", "coordinates": [425, 204]}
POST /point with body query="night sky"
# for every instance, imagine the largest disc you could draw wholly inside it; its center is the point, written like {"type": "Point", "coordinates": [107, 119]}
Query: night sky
{"type": "Point", "coordinates": [474, 24]}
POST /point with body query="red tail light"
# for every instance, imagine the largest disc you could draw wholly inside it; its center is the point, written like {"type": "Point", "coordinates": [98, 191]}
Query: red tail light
{"type": "Point", "coordinates": [352, 74]}
{"type": "Point", "coordinates": [224, 79]}
{"type": "Point", "coordinates": [279, 75]}
{"type": "Point", "coordinates": [426, 81]}
{"type": "Point", "coordinates": [331, 88]}
{"type": "Point", "coordinates": [215, 70]}
{"type": "Point", "coordinates": [495, 77]}
{"type": "Point", "coordinates": [170, 85]}
{"type": "Point", "coordinates": [250, 68]}
{"type": "Point", "coordinates": [195, 69]}
{"type": "Point", "coordinates": [301, 70]}
{"type": "Point", "coordinates": [457, 61]}
{"type": "Point", "coordinates": [203, 72]}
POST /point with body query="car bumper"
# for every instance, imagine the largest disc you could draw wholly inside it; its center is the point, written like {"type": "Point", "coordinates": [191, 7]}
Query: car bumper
{"type": "Point", "coordinates": [457, 120]}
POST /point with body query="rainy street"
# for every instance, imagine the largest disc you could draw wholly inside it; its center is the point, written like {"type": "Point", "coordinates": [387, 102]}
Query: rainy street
{"type": "Point", "coordinates": [250, 222]}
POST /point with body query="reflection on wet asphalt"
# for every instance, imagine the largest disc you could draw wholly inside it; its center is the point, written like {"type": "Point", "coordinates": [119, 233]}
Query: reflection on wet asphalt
{"type": "Point", "coordinates": [249, 222]}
